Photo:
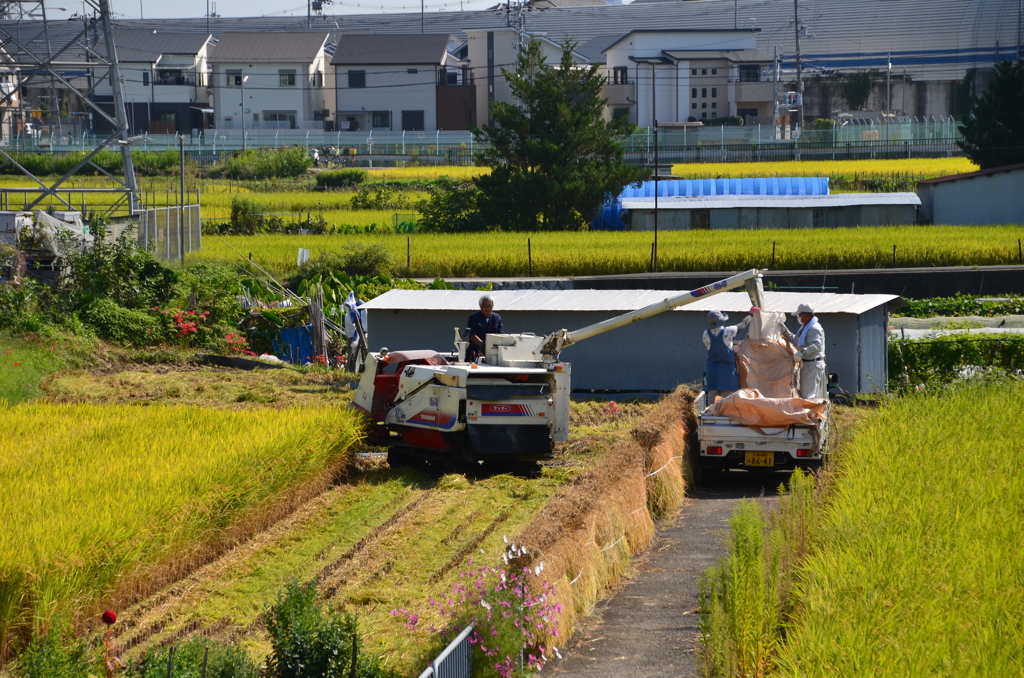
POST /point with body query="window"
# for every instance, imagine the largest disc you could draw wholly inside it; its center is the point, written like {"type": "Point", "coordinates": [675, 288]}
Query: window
{"type": "Point", "coordinates": [714, 92]}
{"type": "Point", "coordinates": [693, 105]}
{"type": "Point", "coordinates": [412, 121]}
{"type": "Point", "coordinates": [714, 115]}
{"type": "Point", "coordinates": [703, 71]}
{"type": "Point", "coordinates": [356, 79]}
{"type": "Point", "coordinates": [714, 71]}
{"type": "Point", "coordinates": [714, 104]}
{"type": "Point", "coordinates": [167, 117]}
{"type": "Point", "coordinates": [746, 112]}
{"type": "Point", "coordinates": [287, 78]}
{"type": "Point", "coordinates": [620, 75]}
{"type": "Point", "coordinates": [703, 115]}
{"type": "Point", "coordinates": [704, 91]}
{"type": "Point", "coordinates": [620, 114]}
{"type": "Point", "coordinates": [277, 116]}
{"type": "Point", "coordinates": [412, 71]}
{"type": "Point", "coordinates": [228, 118]}
{"type": "Point", "coordinates": [173, 77]}
{"type": "Point", "coordinates": [693, 71]}
{"type": "Point", "coordinates": [380, 119]}
{"type": "Point", "coordinates": [318, 79]}
{"type": "Point", "coordinates": [234, 78]}
{"type": "Point", "coordinates": [145, 78]}
{"type": "Point", "coordinates": [704, 105]}
{"type": "Point", "coordinates": [750, 73]}
{"type": "Point", "coordinates": [693, 92]}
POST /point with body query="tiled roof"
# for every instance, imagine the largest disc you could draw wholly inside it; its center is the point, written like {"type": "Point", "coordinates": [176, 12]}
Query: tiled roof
{"type": "Point", "coordinates": [266, 47]}
{"type": "Point", "coordinates": [378, 49]}
{"type": "Point", "coordinates": [146, 46]}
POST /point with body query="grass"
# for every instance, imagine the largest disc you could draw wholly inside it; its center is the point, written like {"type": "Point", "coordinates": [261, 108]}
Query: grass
{"type": "Point", "coordinates": [601, 253]}
{"type": "Point", "coordinates": [916, 569]}
{"type": "Point", "coordinates": [26, 360]}
{"type": "Point", "coordinates": [151, 490]}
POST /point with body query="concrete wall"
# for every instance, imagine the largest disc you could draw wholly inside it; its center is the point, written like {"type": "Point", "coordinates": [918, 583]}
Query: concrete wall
{"type": "Point", "coordinates": [987, 199]}
{"type": "Point", "coordinates": [656, 354]}
{"type": "Point", "coordinates": [391, 88]}
{"type": "Point", "coordinates": [264, 93]}
{"type": "Point", "coordinates": [753, 218]}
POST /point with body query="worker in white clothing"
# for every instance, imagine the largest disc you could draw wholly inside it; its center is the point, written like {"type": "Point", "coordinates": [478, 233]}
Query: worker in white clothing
{"type": "Point", "coordinates": [722, 378]}
{"type": "Point", "coordinates": [810, 351]}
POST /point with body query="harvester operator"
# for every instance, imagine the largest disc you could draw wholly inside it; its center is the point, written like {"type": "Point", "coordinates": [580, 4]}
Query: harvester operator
{"type": "Point", "coordinates": [483, 322]}
{"type": "Point", "coordinates": [722, 378]}
{"type": "Point", "coordinates": [810, 350]}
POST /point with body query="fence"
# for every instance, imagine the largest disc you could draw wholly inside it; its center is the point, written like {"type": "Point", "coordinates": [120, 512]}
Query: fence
{"type": "Point", "coordinates": [159, 230]}
{"type": "Point", "coordinates": [455, 661]}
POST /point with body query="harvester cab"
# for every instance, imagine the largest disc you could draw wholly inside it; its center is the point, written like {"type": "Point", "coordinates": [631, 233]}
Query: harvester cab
{"type": "Point", "coordinates": [506, 410]}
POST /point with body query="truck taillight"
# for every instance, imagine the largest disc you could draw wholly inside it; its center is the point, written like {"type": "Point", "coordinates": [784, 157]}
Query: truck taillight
{"type": "Point", "coordinates": [714, 450]}
{"type": "Point", "coordinates": [805, 453]}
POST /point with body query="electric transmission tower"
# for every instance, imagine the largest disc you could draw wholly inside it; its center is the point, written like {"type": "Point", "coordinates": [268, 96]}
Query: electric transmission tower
{"type": "Point", "coordinates": [38, 52]}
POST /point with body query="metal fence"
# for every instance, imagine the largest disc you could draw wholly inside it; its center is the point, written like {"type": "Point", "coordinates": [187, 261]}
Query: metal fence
{"type": "Point", "coordinates": [161, 231]}
{"type": "Point", "coordinates": [455, 661]}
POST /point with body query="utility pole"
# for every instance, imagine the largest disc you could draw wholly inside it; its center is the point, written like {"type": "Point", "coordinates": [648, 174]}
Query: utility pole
{"type": "Point", "coordinates": [181, 199]}
{"type": "Point", "coordinates": [888, 83]}
{"type": "Point", "coordinates": [423, 14]}
{"type": "Point", "coordinates": [775, 91]}
{"type": "Point", "coordinates": [799, 67]}
{"type": "Point", "coordinates": [735, 14]}
{"type": "Point", "coordinates": [654, 114]}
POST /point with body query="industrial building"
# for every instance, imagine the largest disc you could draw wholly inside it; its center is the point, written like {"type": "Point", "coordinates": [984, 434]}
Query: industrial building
{"type": "Point", "coordinates": [759, 211]}
{"type": "Point", "coordinates": [992, 196]}
{"type": "Point", "coordinates": [656, 354]}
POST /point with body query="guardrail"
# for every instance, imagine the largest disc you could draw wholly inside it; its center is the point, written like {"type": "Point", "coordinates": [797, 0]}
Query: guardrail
{"type": "Point", "coordinates": [455, 661]}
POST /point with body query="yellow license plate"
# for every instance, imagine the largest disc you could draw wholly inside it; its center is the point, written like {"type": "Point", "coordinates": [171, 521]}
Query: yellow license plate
{"type": "Point", "coordinates": [759, 459]}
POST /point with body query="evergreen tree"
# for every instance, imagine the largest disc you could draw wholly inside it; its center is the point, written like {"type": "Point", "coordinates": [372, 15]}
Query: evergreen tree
{"type": "Point", "coordinates": [994, 129]}
{"type": "Point", "coordinates": [553, 156]}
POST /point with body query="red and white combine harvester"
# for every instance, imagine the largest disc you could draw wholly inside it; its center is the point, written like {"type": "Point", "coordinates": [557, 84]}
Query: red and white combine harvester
{"type": "Point", "coordinates": [505, 411]}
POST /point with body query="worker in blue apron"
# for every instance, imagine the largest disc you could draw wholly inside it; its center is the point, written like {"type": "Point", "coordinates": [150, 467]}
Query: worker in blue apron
{"type": "Point", "coordinates": [722, 378]}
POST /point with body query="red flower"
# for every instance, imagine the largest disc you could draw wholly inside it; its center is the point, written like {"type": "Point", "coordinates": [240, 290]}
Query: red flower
{"type": "Point", "coordinates": [109, 617]}
{"type": "Point", "coordinates": [15, 364]}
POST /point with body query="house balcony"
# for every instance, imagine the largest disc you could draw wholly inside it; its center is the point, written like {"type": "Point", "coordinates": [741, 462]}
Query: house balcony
{"type": "Point", "coordinates": [619, 95]}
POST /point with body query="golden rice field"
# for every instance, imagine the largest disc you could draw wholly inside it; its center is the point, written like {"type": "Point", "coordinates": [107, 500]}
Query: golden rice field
{"type": "Point", "coordinates": [604, 253]}
{"type": "Point", "coordinates": [101, 502]}
{"type": "Point", "coordinates": [919, 167]}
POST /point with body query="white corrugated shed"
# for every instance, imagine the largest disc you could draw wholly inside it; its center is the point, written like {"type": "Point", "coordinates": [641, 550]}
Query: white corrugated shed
{"type": "Point", "coordinates": [656, 354]}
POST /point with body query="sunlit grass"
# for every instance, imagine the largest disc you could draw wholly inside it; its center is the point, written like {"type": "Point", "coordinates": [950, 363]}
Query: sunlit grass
{"type": "Point", "coordinates": [919, 167]}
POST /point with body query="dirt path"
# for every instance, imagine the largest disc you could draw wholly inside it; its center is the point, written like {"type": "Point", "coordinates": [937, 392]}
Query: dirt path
{"type": "Point", "coordinates": [648, 629]}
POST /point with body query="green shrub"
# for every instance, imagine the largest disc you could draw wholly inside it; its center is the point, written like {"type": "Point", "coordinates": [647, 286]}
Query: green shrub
{"type": "Point", "coordinates": [21, 306]}
{"type": "Point", "coordinates": [58, 654]}
{"type": "Point", "coordinates": [451, 208]}
{"type": "Point", "coordinates": [224, 661]}
{"type": "Point", "coordinates": [121, 325]}
{"type": "Point", "coordinates": [380, 197]}
{"type": "Point", "coordinates": [247, 217]}
{"type": "Point", "coordinates": [264, 163]}
{"type": "Point", "coordinates": [356, 260]}
{"type": "Point", "coordinates": [962, 304]}
{"type": "Point", "coordinates": [343, 178]}
{"type": "Point", "coordinates": [305, 640]}
{"type": "Point", "coordinates": [950, 358]}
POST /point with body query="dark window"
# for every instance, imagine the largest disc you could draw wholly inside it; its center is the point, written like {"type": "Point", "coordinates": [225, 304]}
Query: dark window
{"type": "Point", "coordinates": [703, 71]}
{"type": "Point", "coordinates": [145, 78]}
{"type": "Point", "coordinates": [693, 71]}
{"type": "Point", "coordinates": [234, 78]}
{"type": "Point", "coordinates": [318, 79]}
{"type": "Point", "coordinates": [412, 121]}
{"type": "Point", "coordinates": [620, 114]}
{"type": "Point", "coordinates": [412, 70]}
{"type": "Point", "coordinates": [287, 78]}
{"type": "Point", "coordinates": [381, 119]}
{"type": "Point", "coordinates": [277, 116]}
{"type": "Point", "coordinates": [173, 77]}
{"type": "Point", "coordinates": [714, 92]}
{"type": "Point", "coordinates": [693, 92]}
{"type": "Point", "coordinates": [750, 73]}
{"type": "Point", "coordinates": [703, 115]}
{"type": "Point", "coordinates": [714, 71]}
{"type": "Point", "coordinates": [714, 115]}
{"type": "Point", "coordinates": [693, 105]}
{"type": "Point", "coordinates": [703, 91]}
{"type": "Point", "coordinates": [356, 79]}
{"type": "Point", "coordinates": [704, 105]}
{"type": "Point", "coordinates": [714, 104]}
{"type": "Point", "coordinates": [700, 220]}
{"type": "Point", "coordinates": [746, 112]}
{"type": "Point", "coordinates": [620, 75]}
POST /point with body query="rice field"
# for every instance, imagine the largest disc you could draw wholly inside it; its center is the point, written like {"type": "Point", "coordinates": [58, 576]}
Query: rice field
{"type": "Point", "coordinates": [603, 253]}
{"type": "Point", "coordinates": [916, 569]}
{"type": "Point", "coordinates": [104, 502]}
{"type": "Point", "coordinates": [922, 168]}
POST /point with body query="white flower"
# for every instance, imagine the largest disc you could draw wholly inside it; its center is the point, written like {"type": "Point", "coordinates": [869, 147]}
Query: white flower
{"type": "Point", "coordinates": [557, 653]}
{"type": "Point", "coordinates": [505, 537]}
{"type": "Point", "coordinates": [536, 571]}
{"type": "Point", "coordinates": [485, 604]}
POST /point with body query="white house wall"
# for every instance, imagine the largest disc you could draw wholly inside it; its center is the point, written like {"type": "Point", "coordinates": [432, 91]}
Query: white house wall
{"type": "Point", "coordinates": [264, 93]}
{"type": "Point", "coordinates": [389, 88]}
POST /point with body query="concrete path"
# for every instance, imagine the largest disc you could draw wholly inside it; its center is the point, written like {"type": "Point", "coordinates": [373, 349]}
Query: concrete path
{"type": "Point", "coordinates": [649, 627]}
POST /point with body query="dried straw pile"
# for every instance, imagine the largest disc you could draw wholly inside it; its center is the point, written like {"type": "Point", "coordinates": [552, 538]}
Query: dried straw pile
{"type": "Point", "coordinates": [589, 531]}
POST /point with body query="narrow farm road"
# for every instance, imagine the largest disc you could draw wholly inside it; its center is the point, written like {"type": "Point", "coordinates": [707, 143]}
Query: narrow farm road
{"type": "Point", "coordinates": [649, 627]}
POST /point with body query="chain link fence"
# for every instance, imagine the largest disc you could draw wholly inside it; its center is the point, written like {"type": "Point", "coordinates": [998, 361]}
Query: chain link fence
{"type": "Point", "coordinates": [171, 232]}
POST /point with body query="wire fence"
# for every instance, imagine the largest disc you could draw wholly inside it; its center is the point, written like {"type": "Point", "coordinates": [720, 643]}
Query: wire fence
{"type": "Point", "coordinates": [171, 232]}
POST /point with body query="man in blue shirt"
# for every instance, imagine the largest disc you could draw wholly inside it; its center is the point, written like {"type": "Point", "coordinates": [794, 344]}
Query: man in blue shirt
{"type": "Point", "coordinates": [483, 322]}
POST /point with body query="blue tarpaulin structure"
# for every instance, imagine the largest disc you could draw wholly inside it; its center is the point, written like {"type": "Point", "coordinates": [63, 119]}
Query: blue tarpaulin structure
{"type": "Point", "coordinates": [294, 344]}
{"type": "Point", "coordinates": [610, 218]}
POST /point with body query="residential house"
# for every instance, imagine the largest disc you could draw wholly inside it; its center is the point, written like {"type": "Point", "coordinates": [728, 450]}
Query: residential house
{"type": "Point", "coordinates": [491, 49]}
{"type": "Point", "coordinates": [411, 82]}
{"type": "Point", "coordinates": [677, 75]}
{"type": "Point", "coordinates": [272, 80]}
{"type": "Point", "coordinates": [163, 76]}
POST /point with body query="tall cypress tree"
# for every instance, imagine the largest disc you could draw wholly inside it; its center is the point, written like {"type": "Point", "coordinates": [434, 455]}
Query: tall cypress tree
{"type": "Point", "coordinates": [553, 156]}
{"type": "Point", "coordinates": [994, 129]}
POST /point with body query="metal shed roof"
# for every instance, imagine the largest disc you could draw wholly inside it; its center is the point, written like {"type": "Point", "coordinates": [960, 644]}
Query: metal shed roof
{"type": "Point", "coordinates": [618, 301]}
{"type": "Point", "coordinates": [795, 201]}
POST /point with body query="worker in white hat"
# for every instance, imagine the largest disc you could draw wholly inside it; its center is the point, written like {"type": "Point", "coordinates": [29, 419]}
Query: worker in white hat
{"type": "Point", "coordinates": [810, 350]}
{"type": "Point", "coordinates": [722, 378]}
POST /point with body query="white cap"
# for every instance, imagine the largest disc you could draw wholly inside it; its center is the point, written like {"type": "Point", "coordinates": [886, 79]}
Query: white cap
{"type": "Point", "coordinates": [804, 308]}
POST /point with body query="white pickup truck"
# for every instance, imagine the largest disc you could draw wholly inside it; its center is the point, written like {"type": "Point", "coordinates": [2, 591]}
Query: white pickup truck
{"type": "Point", "coordinates": [725, 444]}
